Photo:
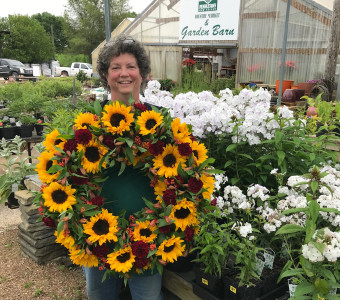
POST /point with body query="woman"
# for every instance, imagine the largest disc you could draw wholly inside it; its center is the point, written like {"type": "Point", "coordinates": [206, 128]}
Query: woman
{"type": "Point", "coordinates": [123, 67]}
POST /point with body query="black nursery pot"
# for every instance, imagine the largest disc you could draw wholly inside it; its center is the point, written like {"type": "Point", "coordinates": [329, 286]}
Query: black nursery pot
{"type": "Point", "coordinates": [183, 264]}
{"type": "Point", "coordinates": [39, 129]}
{"type": "Point", "coordinates": [24, 130]}
{"type": "Point", "coordinates": [8, 133]}
{"type": "Point", "coordinates": [211, 283]}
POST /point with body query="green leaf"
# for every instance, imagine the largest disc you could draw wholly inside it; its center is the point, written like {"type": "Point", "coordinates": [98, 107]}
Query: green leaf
{"type": "Point", "coordinates": [231, 147]}
{"type": "Point", "coordinates": [54, 169]}
{"type": "Point", "coordinates": [278, 136]}
{"type": "Point", "coordinates": [122, 168]}
{"type": "Point", "coordinates": [129, 142]}
{"type": "Point", "coordinates": [129, 154]}
{"type": "Point", "coordinates": [97, 107]}
{"type": "Point", "coordinates": [60, 226]}
{"type": "Point", "coordinates": [281, 156]}
{"type": "Point", "coordinates": [312, 156]}
{"type": "Point", "coordinates": [322, 286]}
{"type": "Point", "coordinates": [331, 210]}
{"type": "Point", "coordinates": [314, 208]}
{"type": "Point", "coordinates": [290, 228]}
{"type": "Point", "coordinates": [303, 288]}
{"type": "Point", "coordinates": [314, 186]}
{"type": "Point", "coordinates": [310, 230]}
{"type": "Point", "coordinates": [293, 211]}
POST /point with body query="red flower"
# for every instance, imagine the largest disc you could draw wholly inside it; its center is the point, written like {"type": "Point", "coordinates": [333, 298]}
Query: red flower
{"type": "Point", "coordinates": [97, 200]}
{"type": "Point", "coordinates": [192, 138]}
{"type": "Point", "coordinates": [109, 141]}
{"type": "Point", "coordinates": [141, 262]}
{"type": "Point", "coordinates": [179, 180]}
{"type": "Point", "coordinates": [213, 202]}
{"type": "Point", "coordinates": [140, 106]}
{"type": "Point", "coordinates": [101, 251]}
{"type": "Point", "coordinates": [169, 197]}
{"type": "Point", "coordinates": [83, 136]}
{"type": "Point", "coordinates": [195, 185]}
{"type": "Point", "coordinates": [70, 145]}
{"type": "Point", "coordinates": [48, 221]}
{"type": "Point", "coordinates": [188, 62]}
{"type": "Point", "coordinates": [165, 229]}
{"type": "Point", "coordinates": [140, 249]}
{"type": "Point", "coordinates": [189, 234]}
{"type": "Point", "coordinates": [156, 148]}
{"type": "Point", "coordinates": [184, 149]}
{"type": "Point", "coordinates": [79, 180]}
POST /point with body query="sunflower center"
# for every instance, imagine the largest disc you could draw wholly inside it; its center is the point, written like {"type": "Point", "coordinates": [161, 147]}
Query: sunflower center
{"type": "Point", "coordinates": [195, 153]}
{"type": "Point", "coordinates": [182, 213]}
{"type": "Point", "coordinates": [169, 160]}
{"type": "Point", "coordinates": [57, 142]}
{"type": "Point", "coordinates": [149, 124]}
{"type": "Point", "coordinates": [59, 196]}
{"type": "Point", "coordinates": [169, 249]}
{"type": "Point", "coordinates": [116, 118]}
{"type": "Point", "coordinates": [145, 232]}
{"type": "Point", "coordinates": [123, 257]}
{"type": "Point", "coordinates": [101, 227]}
{"type": "Point", "coordinates": [49, 165]}
{"type": "Point", "coordinates": [92, 154]}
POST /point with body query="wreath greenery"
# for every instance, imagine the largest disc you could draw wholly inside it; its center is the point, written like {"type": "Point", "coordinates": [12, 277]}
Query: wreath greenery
{"type": "Point", "coordinates": [71, 170]}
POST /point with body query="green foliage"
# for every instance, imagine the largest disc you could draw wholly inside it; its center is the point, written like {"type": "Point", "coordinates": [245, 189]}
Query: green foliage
{"type": "Point", "coordinates": [48, 20]}
{"type": "Point", "coordinates": [81, 76]}
{"type": "Point", "coordinates": [66, 59]}
{"type": "Point", "coordinates": [222, 84]}
{"type": "Point", "coordinates": [15, 165]}
{"type": "Point", "coordinates": [28, 41]}
{"type": "Point", "coordinates": [166, 84]}
{"type": "Point", "coordinates": [27, 119]}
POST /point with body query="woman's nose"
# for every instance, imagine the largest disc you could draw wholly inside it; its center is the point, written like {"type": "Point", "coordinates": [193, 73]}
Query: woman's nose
{"type": "Point", "coordinates": [124, 72]}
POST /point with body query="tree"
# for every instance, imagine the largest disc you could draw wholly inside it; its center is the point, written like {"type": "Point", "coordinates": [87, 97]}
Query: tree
{"type": "Point", "coordinates": [47, 20]}
{"type": "Point", "coordinates": [86, 22]}
{"type": "Point", "coordinates": [27, 41]}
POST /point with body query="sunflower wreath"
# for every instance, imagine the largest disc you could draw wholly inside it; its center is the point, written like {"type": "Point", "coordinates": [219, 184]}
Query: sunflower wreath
{"type": "Point", "coordinates": [72, 171]}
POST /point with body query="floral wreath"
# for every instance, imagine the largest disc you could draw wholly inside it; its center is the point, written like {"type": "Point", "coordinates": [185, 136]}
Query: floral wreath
{"type": "Point", "coordinates": [71, 170]}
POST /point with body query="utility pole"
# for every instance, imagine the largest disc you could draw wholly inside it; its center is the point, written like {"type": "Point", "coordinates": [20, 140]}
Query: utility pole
{"type": "Point", "coordinates": [52, 37]}
{"type": "Point", "coordinates": [333, 49]}
{"type": "Point", "coordinates": [107, 20]}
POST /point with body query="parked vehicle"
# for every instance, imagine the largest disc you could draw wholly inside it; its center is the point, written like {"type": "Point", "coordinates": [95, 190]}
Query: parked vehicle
{"type": "Point", "coordinates": [74, 69]}
{"type": "Point", "coordinates": [11, 67]}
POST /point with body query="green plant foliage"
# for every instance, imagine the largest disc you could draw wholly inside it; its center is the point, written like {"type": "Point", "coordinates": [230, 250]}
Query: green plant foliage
{"type": "Point", "coordinates": [166, 84]}
{"type": "Point", "coordinates": [81, 76]}
{"type": "Point", "coordinates": [66, 59]}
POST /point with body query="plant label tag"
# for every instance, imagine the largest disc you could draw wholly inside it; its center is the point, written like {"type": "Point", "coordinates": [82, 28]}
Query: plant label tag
{"type": "Point", "coordinates": [259, 263]}
{"type": "Point", "coordinates": [269, 256]}
{"type": "Point", "coordinates": [204, 281]}
{"type": "Point", "coordinates": [15, 187]}
{"type": "Point", "coordinates": [232, 289]}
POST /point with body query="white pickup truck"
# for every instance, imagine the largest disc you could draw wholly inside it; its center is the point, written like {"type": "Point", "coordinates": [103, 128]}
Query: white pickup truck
{"type": "Point", "coordinates": [74, 70]}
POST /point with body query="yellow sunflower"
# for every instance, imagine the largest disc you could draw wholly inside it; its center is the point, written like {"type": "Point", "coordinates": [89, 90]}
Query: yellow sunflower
{"type": "Point", "coordinates": [117, 118]}
{"type": "Point", "coordinates": [144, 232]}
{"type": "Point", "coordinates": [45, 162]}
{"type": "Point", "coordinates": [208, 186]}
{"type": "Point", "coordinates": [59, 197]}
{"type": "Point", "coordinates": [180, 131]}
{"type": "Point", "coordinates": [102, 227]}
{"type": "Point", "coordinates": [81, 258]}
{"type": "Point", "coordinates": [65, 239]}
{"type": "Point", "coordinates": [121, 260]}
{"type": "Point", "coordinates": [148, 121]}
{"type": "Point", "coordinates": [93, 153]}
{"type": "Point", "coordinates": [52, 139]}
{"type": "Point", "coordinates": [85, 120]}
{"type": "Point", "coordinates": [168, 161]}
{"type": "Point", "coordinates": [184, 214]}
{"type": "Point", "coordinates": [171, 249]}
{"type": "Point", "coordinates": [199, 151]}
{"type": "Point", "coordinates": [160, 188]}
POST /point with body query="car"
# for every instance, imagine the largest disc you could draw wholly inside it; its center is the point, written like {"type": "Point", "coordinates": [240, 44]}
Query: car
{"type": "Point", "coordinates": [11, 67]}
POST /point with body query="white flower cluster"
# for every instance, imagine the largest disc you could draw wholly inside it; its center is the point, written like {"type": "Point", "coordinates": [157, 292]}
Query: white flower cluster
{"type": "Point", "coordinates": [244, 230]}
{"type": "Point", "coordinates": [330, 242]}
{"type": "Point", "coordinates": [209, 114]}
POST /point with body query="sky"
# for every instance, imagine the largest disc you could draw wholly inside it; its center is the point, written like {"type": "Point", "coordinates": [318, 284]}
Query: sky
{"type": "Point", "coordinates": [54, 7]}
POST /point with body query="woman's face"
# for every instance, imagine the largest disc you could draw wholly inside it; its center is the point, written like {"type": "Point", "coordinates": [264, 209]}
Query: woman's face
{"type": "Point", "coordinates": [123, 78]}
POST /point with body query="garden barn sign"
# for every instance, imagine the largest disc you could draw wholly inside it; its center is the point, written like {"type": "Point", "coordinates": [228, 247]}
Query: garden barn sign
{"type": "Point", "coordinates": [209, 20]}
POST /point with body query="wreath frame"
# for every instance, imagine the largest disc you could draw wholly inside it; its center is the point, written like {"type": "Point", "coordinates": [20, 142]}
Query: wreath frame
{"type": "Point", "coordinates": [70, 201]}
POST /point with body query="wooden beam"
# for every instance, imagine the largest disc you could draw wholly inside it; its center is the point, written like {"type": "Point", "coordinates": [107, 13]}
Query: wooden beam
{"type": "Point", "coordinates": [261, 15]}
{"type": "Point", "coordinates": [307, 51]}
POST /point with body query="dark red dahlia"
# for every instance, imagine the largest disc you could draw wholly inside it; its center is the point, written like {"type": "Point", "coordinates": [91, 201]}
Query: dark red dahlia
{"type": "Point", "coordinates": [213, 202]}
{"type": "Point", "coordinates": [140, 249]}
{"type": "Point", "coordinates": [140, 263]}
{"type": "Point", "coordinates": [179, 180]}
{"type": "Point", "coordinates": [70, 145]}
{"type": "Point", "coordinates": [195, 185]}
{"type": "Point", "coordinates": [79, 180]}
{"type": "Point", "coordinates": [156, 148]}
{"type": "Point", "coordinates": [184, 149]}
{"type": "Point", "coordinates": [140, 106]}
{"type": "Point", "coordinates": [101, 251]}
{"type": "Point", "coordinates": [189, 234]}
{"type": "Point", "coordinates": [48, 221]}
{"type": "Point", "coordinates": [192, 138]}
{"type": "Point", "coordinates": [169, 197]}
{"type": "Point", "coordinates": [97, 200]}
{"type": "Point", "coordinates": [165, 229]}
{"type": "Point", "coordinates": [109, 141]}
{"type": "Point", "coordinates": [83, 136]}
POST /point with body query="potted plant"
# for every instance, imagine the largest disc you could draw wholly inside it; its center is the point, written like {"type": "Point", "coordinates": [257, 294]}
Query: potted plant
{"type": "Point", "coordinates": [26, 125]}
{"type": "Point", "coordinates": [16, 169]}
{"type": "Point", "coordinates": [313, 104]}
